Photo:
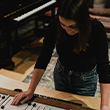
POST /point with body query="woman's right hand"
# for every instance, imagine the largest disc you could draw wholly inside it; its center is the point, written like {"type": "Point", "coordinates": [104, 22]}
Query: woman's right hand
{"type": "Point", "coordinates": [22, 97]}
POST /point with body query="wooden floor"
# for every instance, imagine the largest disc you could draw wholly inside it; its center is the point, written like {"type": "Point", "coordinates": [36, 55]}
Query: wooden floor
{"type": "Point", "coordinates": [27, 57]}
{"type": "Point", "coordinates": [24, 60]}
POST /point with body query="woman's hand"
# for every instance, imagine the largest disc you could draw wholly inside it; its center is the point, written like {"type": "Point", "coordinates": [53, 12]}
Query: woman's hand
{"type": "Point", "coordinates": [22, 97]}
{"type": "Point", "coordinates": [105, 107]}
{"type": "Point", "coordinates": [26, 95]}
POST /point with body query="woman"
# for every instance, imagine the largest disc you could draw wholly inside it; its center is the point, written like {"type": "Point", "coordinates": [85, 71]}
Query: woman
{"type": "Point", "coordinates": [81, 44]}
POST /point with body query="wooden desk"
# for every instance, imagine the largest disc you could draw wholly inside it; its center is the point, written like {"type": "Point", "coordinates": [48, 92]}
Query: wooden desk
{"type": "Point", "coordinates": [16, 75]}
{"type": "Point", "coordinates": [100, 11]}
{"type": "Point", "coordinates": [91, 102]}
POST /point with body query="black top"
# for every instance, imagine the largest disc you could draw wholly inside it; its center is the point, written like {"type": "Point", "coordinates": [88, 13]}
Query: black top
{"type": "Point", "coordinates": [96, 53]}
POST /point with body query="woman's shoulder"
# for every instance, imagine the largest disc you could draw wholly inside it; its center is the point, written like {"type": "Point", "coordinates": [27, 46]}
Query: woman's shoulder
{"type": "Point", "coordinates": [53, 22]}
{"type": "Point", "coordinates": [97, 25]}
{"type": "Point", "coordinates": [98, 30]}
{"type": "Point", "coordinates": [52, 26]}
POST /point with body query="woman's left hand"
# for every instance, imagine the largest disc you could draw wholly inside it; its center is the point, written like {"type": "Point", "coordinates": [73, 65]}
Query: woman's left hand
{"type": "Point", "coordinates": [105, 107]}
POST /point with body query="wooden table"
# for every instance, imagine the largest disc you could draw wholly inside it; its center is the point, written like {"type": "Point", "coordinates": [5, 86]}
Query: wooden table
{"type": "Point", "coordinates": [11, 84]}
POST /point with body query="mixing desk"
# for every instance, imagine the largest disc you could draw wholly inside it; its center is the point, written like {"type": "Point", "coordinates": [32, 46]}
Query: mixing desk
{"type": "Point", "coordinates": [43, 96]}
{"type": "Point", "coordinates": [6, 100]}
{"type": "Point", "coordinates": [38, 102]}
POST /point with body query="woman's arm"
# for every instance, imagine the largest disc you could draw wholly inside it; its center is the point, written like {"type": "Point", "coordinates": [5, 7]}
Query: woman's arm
{"type": "Point", "coordinates": [105, 90]}
{"type": "Point", "coordinates": [42, 62]}
{"type": "Point", "coordinates": [37, 74]}
{"type": "Point", "coordinates": [102, 58]}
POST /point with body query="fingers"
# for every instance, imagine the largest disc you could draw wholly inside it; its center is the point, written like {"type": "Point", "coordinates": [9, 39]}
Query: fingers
{"type": "Point", "coordinates": [22, 97]}
{"type": "Point", "coordinates": [14, 100]}
{"type": "Point", "coordinates": [24, 100]}
{"type": "Point", "coordinates": [17, 98]}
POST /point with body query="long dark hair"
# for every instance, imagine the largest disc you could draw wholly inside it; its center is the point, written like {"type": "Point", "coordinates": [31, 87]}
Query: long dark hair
{"type": "Point", "coordinates": [76, 10]}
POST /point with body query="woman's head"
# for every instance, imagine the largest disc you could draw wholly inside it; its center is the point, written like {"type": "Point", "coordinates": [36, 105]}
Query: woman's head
{"type": "Point", "coordinates": [74, 13]}
{"type": "Point", "coordinates": [75, 10]}
{"type": "Point", "coordinates": [68, 25]}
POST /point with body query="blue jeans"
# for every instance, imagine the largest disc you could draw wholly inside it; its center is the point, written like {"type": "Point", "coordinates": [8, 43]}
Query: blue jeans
{"type": "Point", "coordinates": [82, 83]}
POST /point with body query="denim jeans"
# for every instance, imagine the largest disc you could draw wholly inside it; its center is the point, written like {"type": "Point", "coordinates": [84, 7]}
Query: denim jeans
{"type": "Point", "coordinates": [82, 83]}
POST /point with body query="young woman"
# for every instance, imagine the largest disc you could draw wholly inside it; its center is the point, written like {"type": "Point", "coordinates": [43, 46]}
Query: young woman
{"type": "Point", "coordinates": [81, 44]}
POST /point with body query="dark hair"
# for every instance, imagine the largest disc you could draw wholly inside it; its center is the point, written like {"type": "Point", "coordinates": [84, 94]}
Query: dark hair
{"type": "Point", "coordinates": [77, 10]}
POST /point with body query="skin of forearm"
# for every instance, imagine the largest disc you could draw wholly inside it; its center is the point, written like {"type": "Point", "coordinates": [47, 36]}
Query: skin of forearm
{"type": "Point", "coordinates": [37, 74]}
{"type": "Point", "coordinates": [105, 90]}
